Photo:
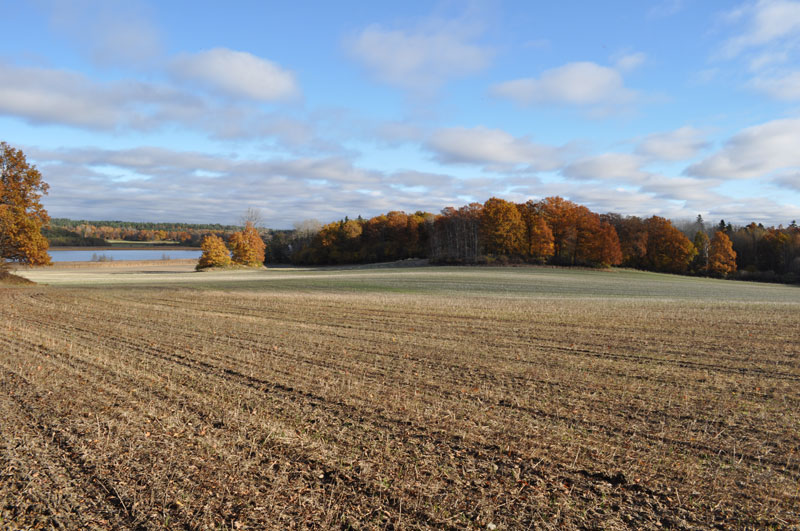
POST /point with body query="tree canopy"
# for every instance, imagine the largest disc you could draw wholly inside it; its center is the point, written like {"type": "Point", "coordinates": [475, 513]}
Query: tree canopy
{"type": "Point", "coordinates": [248, 247]}
{"type": "Point", "coordinates": [721, 256]}
{"type": "Point", "coordinates": [215, 253]}
{"type": "Point", "coordinates": [22, 215]}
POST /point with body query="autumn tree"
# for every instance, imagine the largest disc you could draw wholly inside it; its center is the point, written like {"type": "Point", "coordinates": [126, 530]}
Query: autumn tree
{"type": "Point", "coordinates": [603, 247]}
{"type": "Point", "coordinates": [721, 256]}
{"type": "Point", "coordinates": [22, 215]}
{"type": "Point", "coordinates": [215, 253]}
{"type": "Point", "coordinates": [502, 228]}
{"type": "Point", "coordinates": [632, 234]}
{"type": "Point", "coordinates": [248, 247]}
{"type": "Point", "coordinates": [668, 249]}
{"type": "Point", "coordinates": [538, 241]}
{"type": "Point", "coordinates": [561, 217]}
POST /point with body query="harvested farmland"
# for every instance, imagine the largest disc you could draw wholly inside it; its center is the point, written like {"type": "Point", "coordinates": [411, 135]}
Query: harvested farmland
{"type": "Point", "coordinates": [151, 407]}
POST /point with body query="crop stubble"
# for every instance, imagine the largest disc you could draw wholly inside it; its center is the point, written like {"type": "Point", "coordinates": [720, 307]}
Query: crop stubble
{"type": "Point", "coordinates": [146, 408]}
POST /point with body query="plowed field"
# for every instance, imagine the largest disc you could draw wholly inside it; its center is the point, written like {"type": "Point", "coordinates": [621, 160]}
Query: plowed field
{"type": "Point", "coordinates": [151, 407]}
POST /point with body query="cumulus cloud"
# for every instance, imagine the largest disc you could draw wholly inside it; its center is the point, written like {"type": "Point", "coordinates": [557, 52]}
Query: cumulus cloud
{"type": "Point", "coordinates": [420, 60]}
{"type": "Point", "coordinates": [62, 97]}
{"type": "Point", "coordinates": [41, 95]}
{"type": "Point", "coordinates": [608, 167]}
{"type": "Point", "coordinates": [681, 144]}
{"type": "Point", "coordinates": [154, 183]}
{"type": "Point", "coordinates": [493, 148]}
{"type": "Point", "coordinates": [582, 84]}
{"type": "Point", "coordinates": [754, 152]}
{"type": "Point", "coordinates": [696, 191]}
{"type": "Point", "coordinates": [236, 73]}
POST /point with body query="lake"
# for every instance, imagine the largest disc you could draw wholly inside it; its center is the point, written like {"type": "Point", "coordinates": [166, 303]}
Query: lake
{"type": "Point", "coordinates": [116, 255]}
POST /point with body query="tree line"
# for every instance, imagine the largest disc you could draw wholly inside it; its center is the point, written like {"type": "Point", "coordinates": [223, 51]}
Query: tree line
{"type": "Point", "coordinates": [551, 231]}
{"type": "Point", "coordinates": [62, 231]}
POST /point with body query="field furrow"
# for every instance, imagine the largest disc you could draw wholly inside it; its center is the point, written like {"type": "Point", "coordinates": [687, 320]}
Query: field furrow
{"type": "Point", "coordinates": [146, 408]}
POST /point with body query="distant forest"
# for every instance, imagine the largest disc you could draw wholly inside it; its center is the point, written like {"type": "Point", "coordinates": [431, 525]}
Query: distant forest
{"type": "Point", "coordinates": [552, 231]}
{"type": "Point", "coordinates": [83, 233]}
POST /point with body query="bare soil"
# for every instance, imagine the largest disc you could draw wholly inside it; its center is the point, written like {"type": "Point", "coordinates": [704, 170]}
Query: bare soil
{"type": "Point", "coordinates": [153, 408]}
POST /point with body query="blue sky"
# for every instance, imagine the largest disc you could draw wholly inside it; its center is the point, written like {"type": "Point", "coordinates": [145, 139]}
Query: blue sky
{"type": "Point", "coordinates": [196, 111]}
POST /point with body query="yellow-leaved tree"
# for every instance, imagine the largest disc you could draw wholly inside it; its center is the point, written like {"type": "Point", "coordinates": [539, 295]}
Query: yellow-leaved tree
{"type": "Point", "coordinates": [248, 247]}
{"type": "Point", "coordinates": [215, 253]}
{"type": "Point", "coordinates": [502, 228]}
{"type": "Point", "coordinates": [721, 256]}
{"type": "Point", "coordinates": [22, 216]}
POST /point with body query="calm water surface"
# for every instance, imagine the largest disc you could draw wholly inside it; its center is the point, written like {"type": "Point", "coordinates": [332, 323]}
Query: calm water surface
{"type": "Point", "coordinates": [144, 254]}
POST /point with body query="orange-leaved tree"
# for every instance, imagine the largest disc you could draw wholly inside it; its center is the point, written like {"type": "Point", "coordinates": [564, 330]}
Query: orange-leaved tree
{"type": "Point", "coordinates": [22, 215]}
{"type": "Point", "coordinates": [721, 256]}
{"type": "Point", "coordinates": [538, 236]}
{"type": "Point", "coordinates": [248, 247]}
{"type": "Point", "coordinates": [215, 253]}
{"type": "Point", "coordinates": [602, 246]}
{"type": "Point", "coordinates": [668, 250]}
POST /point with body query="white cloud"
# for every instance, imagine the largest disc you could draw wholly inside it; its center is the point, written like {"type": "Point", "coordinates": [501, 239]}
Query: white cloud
{"type": "Point", "coordinates": [754, 152]}
{"type": "Point", "coordinates": [681, 144]}
{"type": "Point", "coordinates": [698, 191]}
{"type": "Point", "coordinates": [161, 184]}
{"type": "Point", "coordinates": [785, 87]}
{"type": "Point", "coordinates": [582, 83]}
{"type": "Point", "coordinates": [61, 97]}
{"type": "Point", "coordinates": [419, 60]}
{"type": "Point", "coordinates": [41, 95]}
{"type": "Point", "coordinates": [418, 179]}
{"type": "Point", "coordinates": [609, 167]}
{"type": "Point", "coordinates": [757, 209]}
{"type": "Point", "coordinates": [236, 73]}
{"type": "Point", "coordinates": [790, 180]}
{"type": "Point", "coordinates": [769, 44]}
{"type": "Point", "coordinates": [769, 58]}
{"type": "Point", "coordinates": [493, 148]}
{"type": "Point", "coordinates": [768, 21]}
{"type": "Point", "coordinates": [630, 61]}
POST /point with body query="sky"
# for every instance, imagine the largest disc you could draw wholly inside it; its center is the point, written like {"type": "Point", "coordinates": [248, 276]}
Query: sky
{"type": "Point", "coordinates": [194, 111]}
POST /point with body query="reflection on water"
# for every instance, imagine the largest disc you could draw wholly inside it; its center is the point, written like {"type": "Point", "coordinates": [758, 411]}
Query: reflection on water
{"type": "Point", "coordinates": [114, 255]}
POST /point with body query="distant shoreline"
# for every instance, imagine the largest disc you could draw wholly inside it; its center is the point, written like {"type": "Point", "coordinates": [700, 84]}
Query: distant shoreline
{"type": "Point", "coordinates": [113, 264]}
{"type": "Point", "coordinates": [132, 247]}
